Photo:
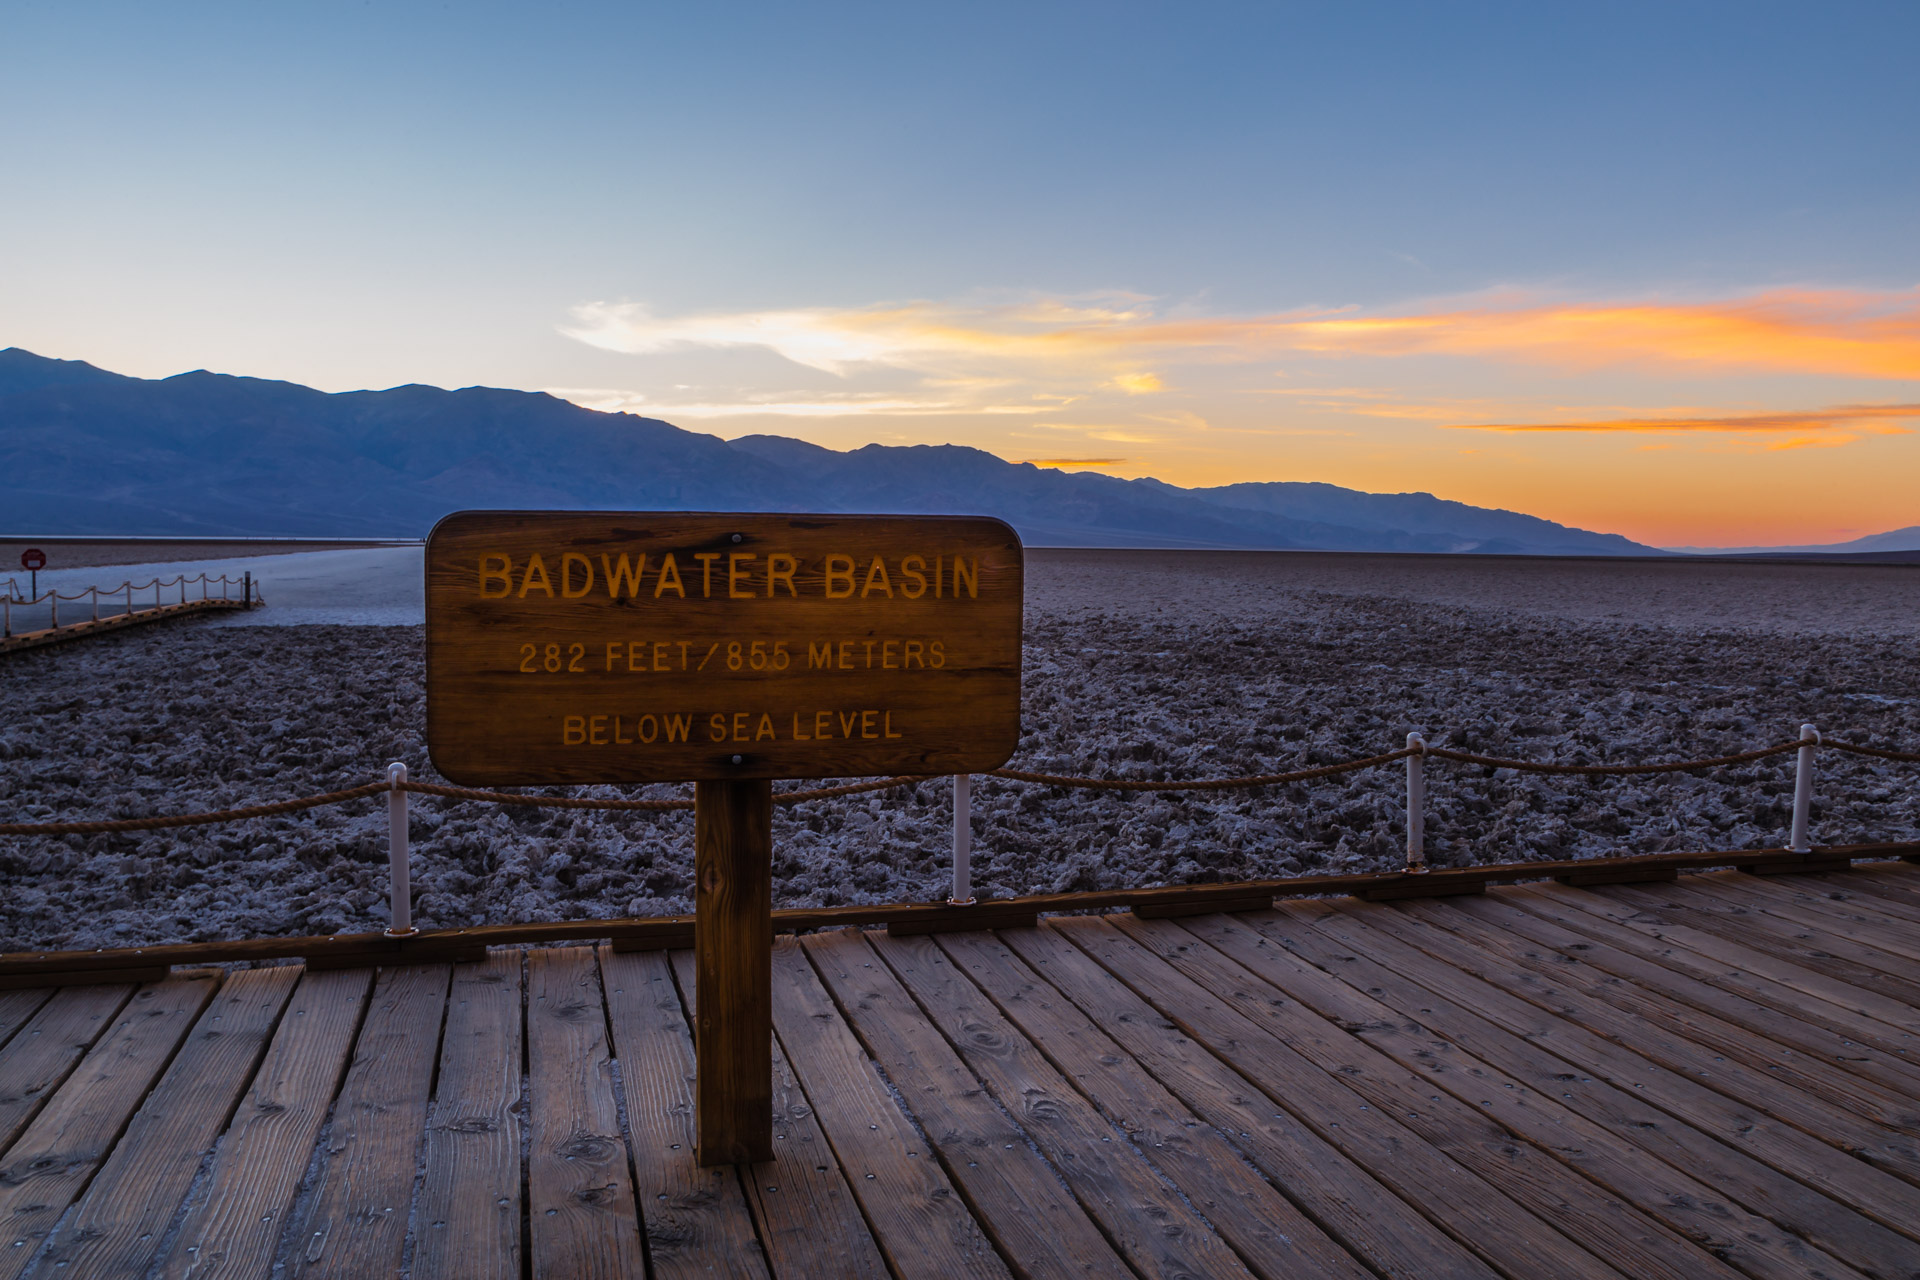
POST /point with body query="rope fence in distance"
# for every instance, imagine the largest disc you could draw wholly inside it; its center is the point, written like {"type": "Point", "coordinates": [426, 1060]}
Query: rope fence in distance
{"type": "Point", "coordinates": [398, 786]}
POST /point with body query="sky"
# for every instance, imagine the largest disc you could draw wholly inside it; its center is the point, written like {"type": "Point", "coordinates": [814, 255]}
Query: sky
{"type": "Point", "coordinates": [1651, 269]}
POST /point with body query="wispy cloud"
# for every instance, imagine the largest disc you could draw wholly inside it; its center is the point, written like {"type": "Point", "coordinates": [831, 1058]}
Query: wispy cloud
{"type": "Point", "coordinates": [1883, 417]}
{"type": "Point", "coordinates": [1837, 332]}
{"type": "Point", "coordinates": [1073, 462]}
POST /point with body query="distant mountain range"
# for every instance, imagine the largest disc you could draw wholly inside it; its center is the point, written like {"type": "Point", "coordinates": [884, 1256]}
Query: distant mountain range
{"type": "Point", "coordinates": [1907, 539]}
{"type": "Point", "coordinates": [85, 451]}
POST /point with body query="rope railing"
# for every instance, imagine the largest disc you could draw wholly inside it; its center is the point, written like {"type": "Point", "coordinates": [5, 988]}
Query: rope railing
{"type": "Point", "coordinates": [397, 786]}
{"type": "Point", "coordinates": [52, 597]}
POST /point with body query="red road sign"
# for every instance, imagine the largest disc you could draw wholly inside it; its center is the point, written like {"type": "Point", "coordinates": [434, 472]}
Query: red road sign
{"type": "Point", "coordinates": [33, 559]}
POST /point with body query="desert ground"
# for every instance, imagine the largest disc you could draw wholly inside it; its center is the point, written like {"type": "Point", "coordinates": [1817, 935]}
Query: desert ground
{"type": "Point", "coordinates": [1138, 664]}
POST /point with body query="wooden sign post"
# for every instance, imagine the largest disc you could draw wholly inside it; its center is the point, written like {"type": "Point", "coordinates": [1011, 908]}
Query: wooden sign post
{"type": "Point", "coordinates": [726, 650]}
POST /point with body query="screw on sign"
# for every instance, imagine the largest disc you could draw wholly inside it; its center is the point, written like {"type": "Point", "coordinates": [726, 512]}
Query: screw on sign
{"type": "Point", "coordinates": [33, 560]}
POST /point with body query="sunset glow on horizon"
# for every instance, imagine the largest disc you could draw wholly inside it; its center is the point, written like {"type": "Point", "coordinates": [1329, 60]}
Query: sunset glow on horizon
{"type": "Point", "coordinates": [1648, 270]}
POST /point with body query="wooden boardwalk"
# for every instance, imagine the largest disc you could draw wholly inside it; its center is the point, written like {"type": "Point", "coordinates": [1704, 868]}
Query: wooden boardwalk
{"type": "Point", "coordinates": [1714, 1077]}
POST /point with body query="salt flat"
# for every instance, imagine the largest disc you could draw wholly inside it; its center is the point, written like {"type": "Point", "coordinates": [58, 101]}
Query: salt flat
{"type": "Point", "coordinates": [1137, 664]}
{"type": "Point", "coordinates": [382, 586]}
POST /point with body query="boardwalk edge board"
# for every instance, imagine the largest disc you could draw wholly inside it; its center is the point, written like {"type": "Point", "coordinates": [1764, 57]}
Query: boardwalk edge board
{"type": "Point", "coordinates": [432, 946]}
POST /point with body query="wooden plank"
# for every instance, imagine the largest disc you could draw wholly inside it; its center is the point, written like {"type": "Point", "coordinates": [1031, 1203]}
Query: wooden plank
{"type": "Point", "coordinates": [1545, 1210]}
{"type": "Point", "coordinates": [580, 1195]}
{"type": "Point", "coordinates": [470, 1195]}
{"type": "Point", "coordinates": [16, 1007]}
{"type": "Point", "coordinates": [807, 1214]}
{"type": "Point", "coordinates": [1828, 1105]}
{"type": "Point", "coordinates": [1899, 940]}
{"type": "Point", "coordinates": [1146, 1219]}
{"type": "Point", "coordinates": [925, 1230]}
{"type": "Point", "coordinates": [117, 1227]}
{"type": "Point", "coordinates": [1888, 880]}
{"type": "Point", "coordinates": [1270, 1234]}
{"type": "Point", "coordinates": [47, 1047]}
{"type": "Point", "coordinates": [1617, 875]}
{"type": "Point", "coordinates": [1427, 885]}
{"type": "Point", "coordinates": [1809, 1160]}
{"type": "Point", "coordinates": [1207, 905]}
{"type": "Point", "coordinates": [235, 1228]}
{"type": "Point", "coordinates": [438, 946]}
{"type": "Point", "coordinates": [84, 977]}
{"type": "Point", "coordinates": [1888, 1015]}
{"type": "Point", "coordinates": [1844, 893]}
{"type": "Point", "coordinates": [696, 1218]}
{"type": "Point", "coordinates": [1732, 1173]}
{"type": "Point", "coordinates": [1698, 1211]}
{"type": "Point", "coordinates": [732, 941]}
{"type": "Point", "coordinates": [73, 1134]}
{"type": "Point", "coordinates": [1821, 951]}
{"type": "Point", "coordinates": [1462, 1203]}
{"type": "Point", "coordinates": [355, 1225]}
{"type": "Point", "coordinates": [1771, 1024]}
{"type": "Point", "coordinates": [945, 918]}
{"type": "Point", "coordinates": [1367, 1218]}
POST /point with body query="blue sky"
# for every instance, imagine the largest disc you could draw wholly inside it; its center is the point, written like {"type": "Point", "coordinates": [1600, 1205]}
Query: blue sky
{"type": "Point", "coordinates": [1060, 232]}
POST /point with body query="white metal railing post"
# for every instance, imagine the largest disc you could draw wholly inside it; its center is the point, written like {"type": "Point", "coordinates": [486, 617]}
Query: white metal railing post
{"type": "Point", "coordinates": [1803, 789]}
{"type": "Point", "coordinates": [401, 911]}
{"type": "Point", "coordinates": [1416, 802]}
{"type": "Point", "coordinates": [962, 841]}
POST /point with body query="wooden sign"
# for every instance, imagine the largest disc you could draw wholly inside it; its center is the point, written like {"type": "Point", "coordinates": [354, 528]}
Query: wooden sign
{"type": "Point", "coordinates": [578, 647]}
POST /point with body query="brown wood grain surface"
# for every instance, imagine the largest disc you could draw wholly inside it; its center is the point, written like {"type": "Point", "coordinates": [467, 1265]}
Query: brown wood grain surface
{"type": "Point", "coordinates": [696, 1218]}
{"type": "Point", "coordinates": [1272, 1237]}
{"type": "Point", "coordinates": [47, 1047]}
{"type": "Point", "coordinates": [71, 1137]}
{"type": "Point", "coordinates": [1833, 954]}
{"type": "Point", "coordinates": [809, 1219]}
{"type": "Point", "coordinates": [18, 1006]}
{"type": "Point", "coordinates": [117, 1228]}
{"type": "Point", "coordinates": [732, 941]}
{"type": "Point", "coordinates": [1563, 1202]}
{"type": "Point", "coordinates": [567, 647]}
{"type": "Point", "coordinates": [1876, 1019]}
{"type": "Point", "coordinates": [1462, 1063]}
{"type": "Point", "coordinates": [469, 1215]}
{"type": "Point", "coordinates": [580, 1192]}
{"type": "Point", "coordinates": [1346, 1201]}
{"type": "Point", "coordinates": [1401, 977]}
{"type": "Point", "coordinates": [1473, 1210]}
{"type": "Point", "coordinates": [235, 1229]}
{"type": "Point", "coordinates": [1393, 939]}
{"type": "Point", "coordinates": [926, 1230]}
{"type": "Point", "coordinates": [355, 1224]}
{"type": "Point", "coordinates": [1777, 1026]}
{"type": "Point", "coordinates": [1152, 1225]}
{"type": "Point", "coordinates": [1821, 1099]}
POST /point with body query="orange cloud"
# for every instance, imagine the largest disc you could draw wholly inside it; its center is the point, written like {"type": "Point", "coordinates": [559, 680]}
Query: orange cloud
{"type": "Point", "coordinates": [1883, 416]}
{"type": "Point", "coordinates": [1849, 333]}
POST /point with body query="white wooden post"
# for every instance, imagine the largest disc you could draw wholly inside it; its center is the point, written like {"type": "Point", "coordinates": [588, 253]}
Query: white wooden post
{"type": "Point", "coordinates": [1803, 789]}
{"type": "Point", "coordinates": [129, 586]}
{"type": "Point", "coordinates": [962, 841]}
{"type": "Point", "coordinates": [1417, 803]}
{"type": "Point", "coordinates": [401, 911]}
{"type": "Point", "coordinates": [96, 603]}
